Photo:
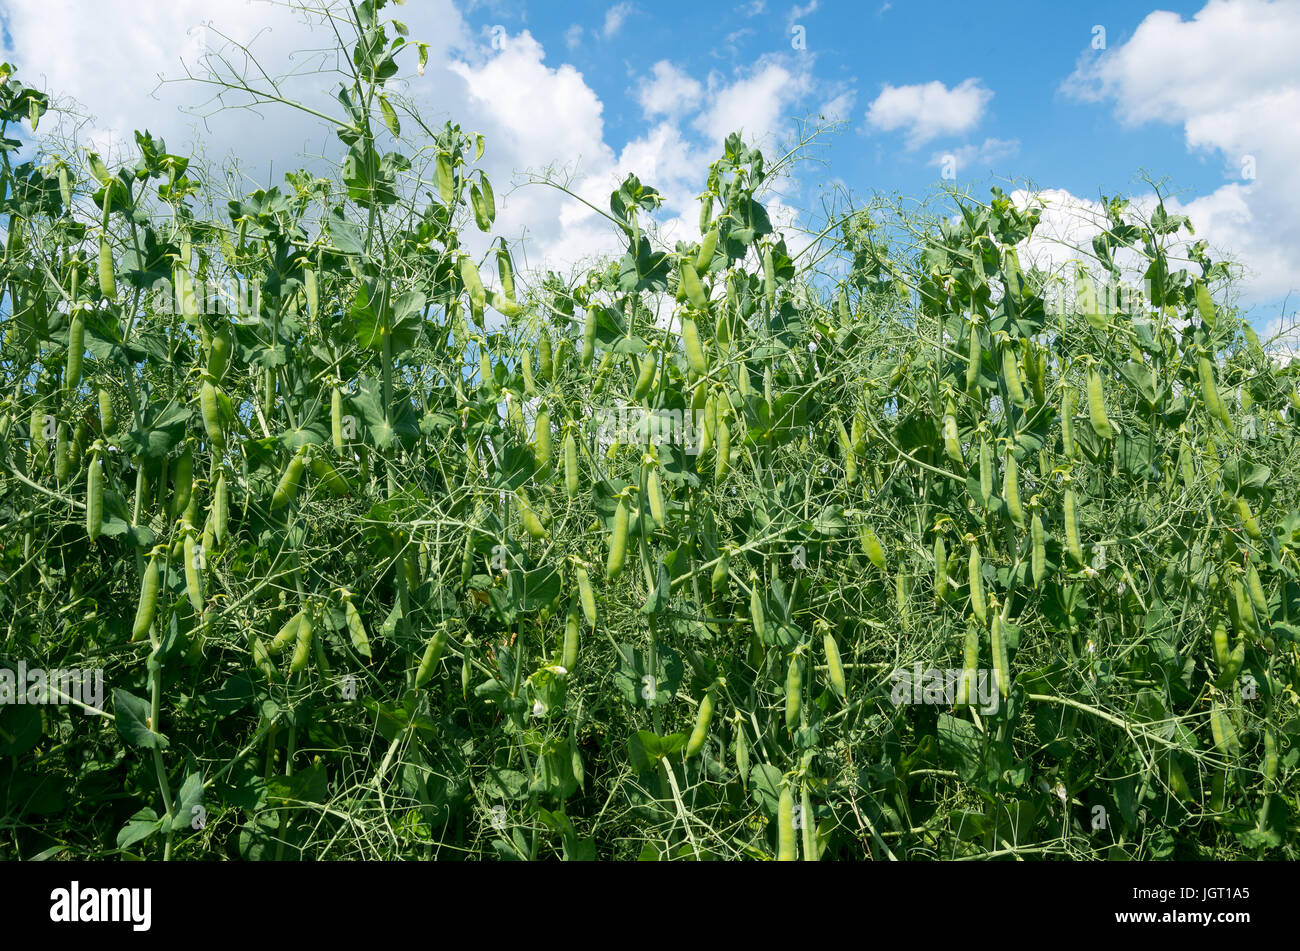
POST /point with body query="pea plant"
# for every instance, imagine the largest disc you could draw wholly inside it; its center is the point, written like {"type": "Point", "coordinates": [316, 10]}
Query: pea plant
{"type": "Point", "coordinates": [885, 545]}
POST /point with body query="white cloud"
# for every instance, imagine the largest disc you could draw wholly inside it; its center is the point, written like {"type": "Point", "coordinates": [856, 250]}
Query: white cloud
{"type": "Point", "coordinates": [755, 105]}
{"type": "Point", "coordinates": [669, 92]}
{"type": "Point", "coordinates": [1228, 77]}
{"type": "Point", "coordinates": [536, 117]}
{"type": "Point", "coordinates": [753, 8]}
{"type": "Point", "coordinates": [573, 36]}
{"type": "Point", "coordinates": [929, 110]}
{"type": "Point", "coordinates": [615, 17]}
{"type": "Point", "coordinates": [986, 153]}
{"type": "Point", "coordinates": [798, 12]}
{"type": "Point", "coordinates": [839, 108]}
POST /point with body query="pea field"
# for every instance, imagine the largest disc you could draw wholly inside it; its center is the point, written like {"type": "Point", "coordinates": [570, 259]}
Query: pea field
{"type": "Point", "coordinates": [882, 544]}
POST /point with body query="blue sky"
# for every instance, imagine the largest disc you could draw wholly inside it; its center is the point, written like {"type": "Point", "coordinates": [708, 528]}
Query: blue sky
{"type": "Point", "coordinates": [1021, 51]}
{"type": "Point", "coordinates": [1070, 100]}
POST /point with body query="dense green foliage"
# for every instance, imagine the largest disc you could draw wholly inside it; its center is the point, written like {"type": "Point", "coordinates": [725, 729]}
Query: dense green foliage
{"type": "Point", "coordinates": [370, 573]}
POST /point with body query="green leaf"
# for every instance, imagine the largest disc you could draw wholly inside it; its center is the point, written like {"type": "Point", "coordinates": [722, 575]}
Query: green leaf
{"type": "Point", "coordinates": [646, 749]}
{"type": "Point", "coordinates": [307, 785]}
{"type": "Point", "coordinates": [961, 746]}
{"type": "Point", "coordinates": [130, 714]}
{"type": "Point", "coordinates": [765, 784]}
{"type": "Point", "coordinates": [189, 802]}
{"type": "Point", "coordinates": [345, 235]}
{"type": "Point", "coordinates": [390, 116]}
{"type": "Point", "coordinates": [638, 685]}
{"type": "Point", "coordinates": [139, 827]}
{"type": "Point", "coordinates": [161, 431]}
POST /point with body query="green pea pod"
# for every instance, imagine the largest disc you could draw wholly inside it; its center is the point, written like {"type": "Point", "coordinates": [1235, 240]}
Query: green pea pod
{"type": "Point", "coordinates": [694, 348]}
{"type": "Point", "coordinates": [432, 654]}
{"type": "Point", "coordinates": [542, 440]}
{"type": "Point", "coordinates": [1000, 666]}
{"type": "Point", "coordinates": [655, 496]}
{"type": "Point", "coordinates": [986, 472]}
{"type": "Point", "coordinates": [446, 183]}
{"type": "Point", "coordinates": [193, 579]}
{"type": "Point", "coordinates": [951, 443]}
{"type": "Point", "coordinates": [95, 497]}
{"type": "Point", "coordinates": [722, 458]}
{"type": "Point", "coordinates": [1011, 490]}
{"type": "Point", "coordinates": [708, 247]}
{"type": "Point", "coordinates": [589, 337]}
{"type": "Point", "coordinates": [786, 849]}
{"type": "Point", "coordinates": [618, 542]}
{"type": "Point", "coordinates": [1072, 541]}
{"type": "Point", "coordinates": [286, 489]}
{"type": "Point", "coordinates": [1068, 399]}
{"type": "Point", "coordinates": [546, 357]}
{"type": "Point", "coordinates": [302, 645]}
{"type": "Point", "coordinates": [76, 350]}
{"type": "Point", "coordinates": [793, 693]}
{"type": "Point", "coordinates": [570, 465]}
{"type": "Point", "coordinates": [976, 579]}
{"type": "Point", "coordinates": [356, 629]}
{"type": "Point", "coordinates": [532, 523]}
{"type": "Point", "coordinates": [506, 271]}
{"type": "Point", "coordinates": [569, 655]}
{"type": "Point", "coordinates": [1011, 375]}
{"type": "Point", "coordinates": [970, 660]}
{"type": "Point", "coordinates": [1204, 304]}
{"type": "Point", "coordinates": [756, 613]}
{"type": "Point", "coordinates": [219, 353]}
{"type": "Point", "coordinates": [700, 733]}
{"type": "Point", "coordinates": [329, 477]}
{"type": "Point", "coordinates": [1256, 589]}
{"type": "Point", "coordinates": [469, 276]}
{"type": "Point", "coordinates": [211, 416]}
{"type": "Point", "coordinates": [107, 419]}
{"type": "Point", "coordinates": [287, 635]}
{"type": "Point", "coordinates": [526, 368]}
{"type": "Point", "coordinates": [873, 549]}
{"type": "Point", "coordinates": [940, 569]}
{"type": "Point", "coordinates": [645, 377]}
{"type": "Point", "coordinates": [1039, 550]}
{"type": "Point", "coordinates": [585, 595]}
{"type": "Point", "coordinates": [148, 606]}
{"type": "Point", "coordinates": [974, 355]}
{"type": "Point", "coordinates": [1097, 406]}
{"type": "Point", "coordinates": [183, 482]}
{"type": "Point", "coordinates": [62, 455]}
{"type": "Point", "coordinates": [1247, 517]}
{"type": "Point", "coordinates": [220, 510]}
{"type": "Point", "coordinates": [834, 665]}
{"type": "Point", "coordinates": [107, 283]}
{"type": "Point", "coordinates": [692, 286]}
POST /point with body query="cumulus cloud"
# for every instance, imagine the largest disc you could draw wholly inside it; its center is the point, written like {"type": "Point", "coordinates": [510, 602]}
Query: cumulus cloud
{"type": "Point", "coordinates": [1228, 77]}
{"type": "Point", "coordinates": [537, 116]}
{"type": "Point", "coordinates": [756, 104]}
{"type": "Point", "coordinates": [668, 91]}
{"type": "Point", "coordinates": [927, 111]}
